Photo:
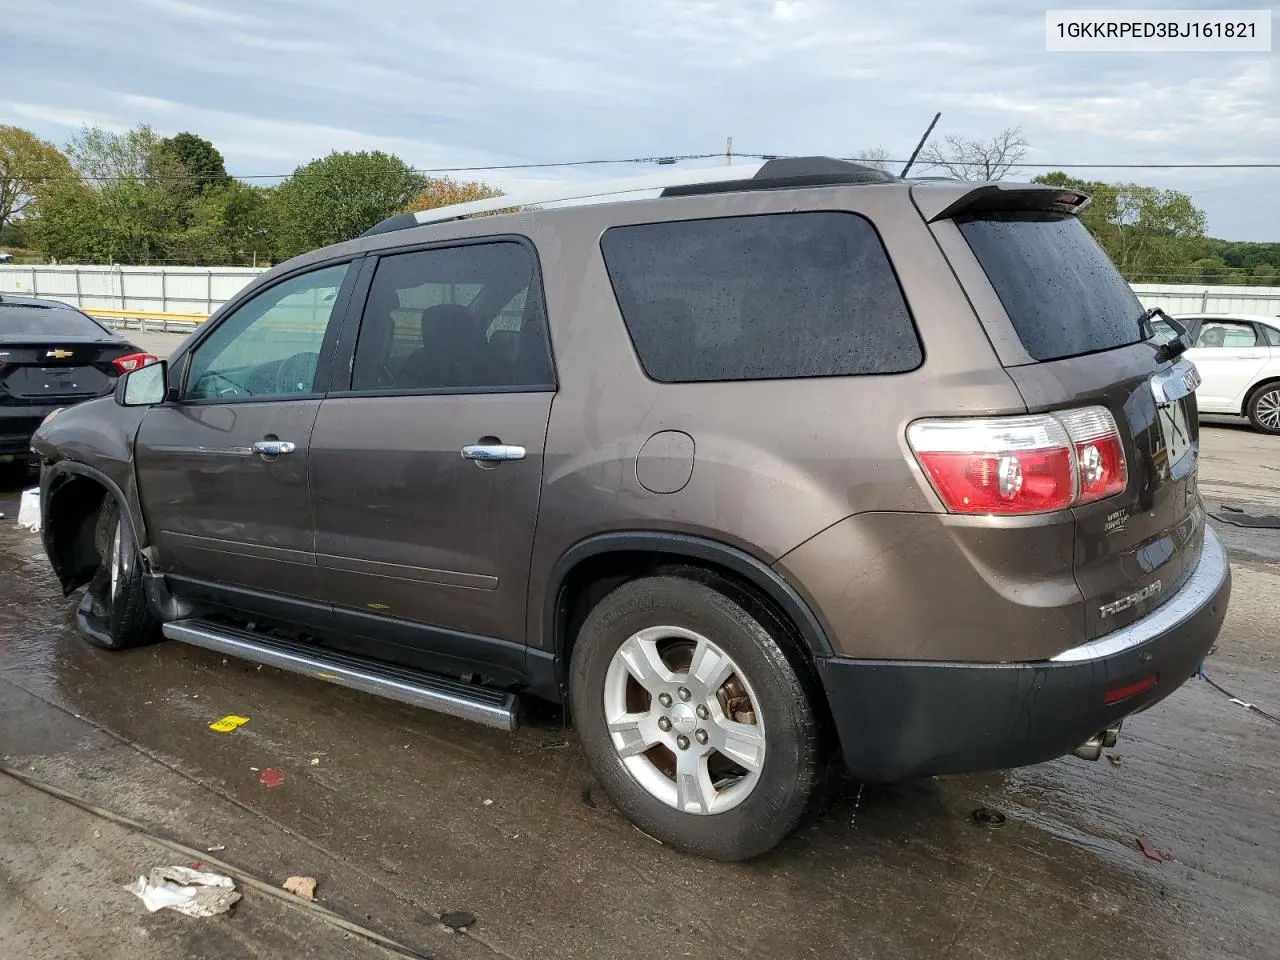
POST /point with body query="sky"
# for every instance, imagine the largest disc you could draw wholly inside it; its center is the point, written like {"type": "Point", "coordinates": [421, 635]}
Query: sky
{"type": "Point", "coordinates": [276, 83]}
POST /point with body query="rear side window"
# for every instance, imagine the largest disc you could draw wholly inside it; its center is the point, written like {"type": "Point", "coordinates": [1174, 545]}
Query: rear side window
{"type": "Point", "coordinates": [455, 320]}
{"type": "Point", "coordinates": [764, 297]}
{"type": "Point", "coordinates": [1062, 293]}
{"type": "Point", "coordinates": [1273, 335]}
{"type": "Point", "coordinates": [1226, 333]}
{"type": "Point", "coordinates": [22, 320]}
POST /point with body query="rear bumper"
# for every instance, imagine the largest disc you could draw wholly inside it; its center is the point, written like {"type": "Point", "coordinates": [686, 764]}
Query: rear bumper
{"type": "Point", "coordinates": [18, 423]}
{"type": "Point", "coordinates": [899, 720]}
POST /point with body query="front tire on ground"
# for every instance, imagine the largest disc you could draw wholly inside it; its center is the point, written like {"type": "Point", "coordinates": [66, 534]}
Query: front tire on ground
{"type": "Point", "coordinates": [113, 613]}
{"type": "Point", "coordinates": [1264, 408]}
{"type": "Point", "coordinates": [693, 719]}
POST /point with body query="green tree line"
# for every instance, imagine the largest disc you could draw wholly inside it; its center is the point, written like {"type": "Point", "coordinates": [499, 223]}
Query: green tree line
{"type": "Point", "coordinates": [137, 198]}
{"type": "Point", "coordinates": [1157, 236]}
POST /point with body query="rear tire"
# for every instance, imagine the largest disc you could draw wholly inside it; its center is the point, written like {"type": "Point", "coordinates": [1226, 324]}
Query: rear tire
{"type": "Point", "coordinates": [113, 613]}
{"type": "Point", "coordinates": [1264, 408]}
{"type": "Point", "coordinates": [720, 739]}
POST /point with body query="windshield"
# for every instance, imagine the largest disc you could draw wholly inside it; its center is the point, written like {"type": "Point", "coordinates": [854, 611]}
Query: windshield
{"type": "Point", "coordinates": [42, 321]}
{"type": "Point", "coordinates": [1062, 293]}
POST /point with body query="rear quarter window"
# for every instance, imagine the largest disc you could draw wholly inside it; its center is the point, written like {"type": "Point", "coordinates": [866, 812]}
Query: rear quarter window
{"type": "Point", "coordinates": [1062, 293]}
{"type": "Point", "coordinates": [775, 296]}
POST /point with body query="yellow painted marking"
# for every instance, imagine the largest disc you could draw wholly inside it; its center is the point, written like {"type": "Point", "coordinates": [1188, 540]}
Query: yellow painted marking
{"type": "Point", "coordinates": [378, 606]}
{"type": "Point", "coordinates": [327, 676]}
{"type": "Point", "coordinates": [228, 723]}
{"type": "Point", "coordinates": [145, 314]}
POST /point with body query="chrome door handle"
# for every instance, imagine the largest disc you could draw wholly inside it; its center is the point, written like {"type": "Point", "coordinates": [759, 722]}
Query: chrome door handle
{"type": "Point", "coordinates": [273, 448]}
{"type": "Point", "coordinates": [493, 452]}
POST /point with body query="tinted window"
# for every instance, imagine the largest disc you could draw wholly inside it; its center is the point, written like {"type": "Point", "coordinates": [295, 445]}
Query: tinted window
{"type": "Point", "coordinates": [455, 319]}
{"type": "Point", "coordinates": [1273, 335]}
{"type": "Point", "coordinates": [270, 345]}
{"type": "Point", "coordinates": [41, 321]}
{"type": "Point", "coordinates": [768, 297]}
{"type": "Point", "coordinates": [1225, 333]}
{"type": "Point", "coordinates": [1062, 293]}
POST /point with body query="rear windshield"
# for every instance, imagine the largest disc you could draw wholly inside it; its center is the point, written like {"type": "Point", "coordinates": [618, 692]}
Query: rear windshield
{"type": "Point", "coordinates": [24, 321]}
{"type": "Point", "coordinates": [1064, 296]}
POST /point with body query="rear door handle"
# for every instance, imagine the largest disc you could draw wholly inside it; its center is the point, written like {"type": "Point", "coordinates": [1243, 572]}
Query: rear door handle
{"type": "Point", "coordinates": [273, 448]}
{"type": "Point", "coordinates": [493, 452]}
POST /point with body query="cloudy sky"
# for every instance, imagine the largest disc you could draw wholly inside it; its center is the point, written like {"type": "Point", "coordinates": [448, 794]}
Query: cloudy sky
{"type": "Point", "coordinates": [274, 83]}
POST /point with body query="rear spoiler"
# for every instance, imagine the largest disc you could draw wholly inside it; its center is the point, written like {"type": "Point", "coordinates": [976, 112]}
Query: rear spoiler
{"type": "Point", "coordinates": [936, 201]}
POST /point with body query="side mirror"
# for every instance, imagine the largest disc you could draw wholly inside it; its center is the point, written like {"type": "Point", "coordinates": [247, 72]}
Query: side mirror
{"type": "Point", "coordinates": [144, 387]}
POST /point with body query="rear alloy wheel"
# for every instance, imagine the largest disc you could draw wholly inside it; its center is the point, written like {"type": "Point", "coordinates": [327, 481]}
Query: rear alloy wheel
{"type": "Point", "coordinates": [1264, 408]}
{"type": "Point", "coordinates": [113, 612]}
{"type": "Point", "coordinates": [683, 720]}
{"type": "Point", "coordinates": [693, 719]}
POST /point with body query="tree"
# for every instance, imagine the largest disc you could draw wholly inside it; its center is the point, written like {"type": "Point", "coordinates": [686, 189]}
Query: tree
{"type": "Point", "coordinates": [199, 158]}
{"type": "Point", "coordinates": [28, 165]}
{"type": "Point", "coordinates": [186, 166]}
{"type": "Point", "coordinates": [442, 191]}
{"type": "Point", "coordinates": [877, 157]}
{"type": "Point", "coordinates": [1150, 234]}
{"type": "Point", "coordinates": [100, 157]}
{"type": "Point", "coordinates": [339, 197]}
{"type": "Point", "coordinates": [116, 210]}
{"type": "Point", "coordinates": [227, 223]}
{"type": "Point", "coordinates": [967, 159]}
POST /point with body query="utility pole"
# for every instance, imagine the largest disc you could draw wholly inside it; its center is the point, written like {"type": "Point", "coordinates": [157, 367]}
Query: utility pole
{"type": "Point", "coordinates": [728, 151]}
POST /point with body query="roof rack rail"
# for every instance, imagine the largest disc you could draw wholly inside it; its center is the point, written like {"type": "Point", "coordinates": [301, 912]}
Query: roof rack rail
{"type": "Point", "coordinates": [776, 174]}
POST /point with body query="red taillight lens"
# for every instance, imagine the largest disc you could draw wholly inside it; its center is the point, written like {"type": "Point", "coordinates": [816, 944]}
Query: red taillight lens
{"type": "Point", "coordinates": [1019, 465]}
{"type": "Point", "coordinates": [132, 361]}
{"type": "Point", "coordinates": [1099, 452]}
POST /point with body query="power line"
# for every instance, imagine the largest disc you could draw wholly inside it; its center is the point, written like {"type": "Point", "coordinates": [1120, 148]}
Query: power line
{"type": "Point", "coordinates": [670, 158]}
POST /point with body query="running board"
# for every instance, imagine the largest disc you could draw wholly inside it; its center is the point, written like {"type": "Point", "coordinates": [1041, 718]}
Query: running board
{"type": "Point", "coordinates": [493, 708]}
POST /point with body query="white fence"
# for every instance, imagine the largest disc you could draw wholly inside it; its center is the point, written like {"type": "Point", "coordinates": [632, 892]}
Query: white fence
{"type": "Point", "coordinates": [1178, 298]}
{"type": "Point", "coordinates": [203, 289]}
{"type": "Point", "coordinates": [149, 289]}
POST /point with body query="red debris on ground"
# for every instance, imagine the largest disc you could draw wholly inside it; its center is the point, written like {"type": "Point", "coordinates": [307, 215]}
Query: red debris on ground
{"type": "Point", "coordinates": [271, 777]}
{"type": "Point", "coordinates": [1150, 852]}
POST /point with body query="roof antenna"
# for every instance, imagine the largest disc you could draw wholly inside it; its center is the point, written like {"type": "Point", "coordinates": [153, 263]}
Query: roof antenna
{"type": "Point", "coordinates": [920, 146]}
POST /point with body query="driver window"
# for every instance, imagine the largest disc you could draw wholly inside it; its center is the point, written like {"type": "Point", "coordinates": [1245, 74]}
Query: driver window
{"type": "Point", "coordinates": [270, 345]}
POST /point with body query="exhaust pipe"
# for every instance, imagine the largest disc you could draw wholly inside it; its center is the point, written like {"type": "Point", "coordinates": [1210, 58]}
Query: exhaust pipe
{"type": "Point", "coordinates": [1091, 749]}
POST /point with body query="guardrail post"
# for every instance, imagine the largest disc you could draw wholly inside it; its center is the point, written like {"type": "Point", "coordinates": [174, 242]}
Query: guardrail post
{"type": "Point", "coordinates": [1204, 301]}
{"type": "Point", "coordinates": [208, 291]}
{"type": "Point", "coordinates": [164, 291]}
{"type": "Point", "coordinates": [35, 292]}
{"type": "Point", "coordinates": [79, 295]}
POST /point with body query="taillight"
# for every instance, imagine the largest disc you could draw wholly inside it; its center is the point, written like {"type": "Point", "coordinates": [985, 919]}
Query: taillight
{"type": "Point", "coordinates": [1099, 452]}
{"type": "Point", "coordinates": [1019, 465]}
{"type": "Point", "coordinates": [132, 361]}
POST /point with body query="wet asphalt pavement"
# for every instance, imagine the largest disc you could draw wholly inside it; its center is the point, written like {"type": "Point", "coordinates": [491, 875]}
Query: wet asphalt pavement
{"type": "Point", "coordinates": [389, 808]}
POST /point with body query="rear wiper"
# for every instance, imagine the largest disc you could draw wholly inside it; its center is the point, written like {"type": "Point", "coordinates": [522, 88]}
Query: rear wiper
{"type": "Point", "coordinates": [1170, 348]}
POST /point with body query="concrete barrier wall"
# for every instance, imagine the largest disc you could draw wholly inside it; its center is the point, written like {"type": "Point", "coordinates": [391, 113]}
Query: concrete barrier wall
{"type": "Point", "coordinates": [203, 289]}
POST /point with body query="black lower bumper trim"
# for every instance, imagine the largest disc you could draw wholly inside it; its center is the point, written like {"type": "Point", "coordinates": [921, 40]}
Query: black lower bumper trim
{"type": "Point", "coordinates": [903, 719]}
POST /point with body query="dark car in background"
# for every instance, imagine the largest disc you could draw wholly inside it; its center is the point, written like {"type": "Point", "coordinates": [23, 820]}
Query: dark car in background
{"type": "Point", "coordinates": [51, 356]}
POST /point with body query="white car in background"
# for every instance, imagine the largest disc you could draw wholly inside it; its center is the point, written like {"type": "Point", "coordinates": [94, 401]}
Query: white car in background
{"type": "Point", "coordinates": [1238, 356]}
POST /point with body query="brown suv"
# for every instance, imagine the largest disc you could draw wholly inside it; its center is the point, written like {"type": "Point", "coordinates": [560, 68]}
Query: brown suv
{"type": "Point", "coordinates": [802, 461]}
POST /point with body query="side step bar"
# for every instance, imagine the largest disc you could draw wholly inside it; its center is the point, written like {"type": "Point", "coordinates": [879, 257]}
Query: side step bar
{"type": "Point", "coordinates": [493, 708]}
